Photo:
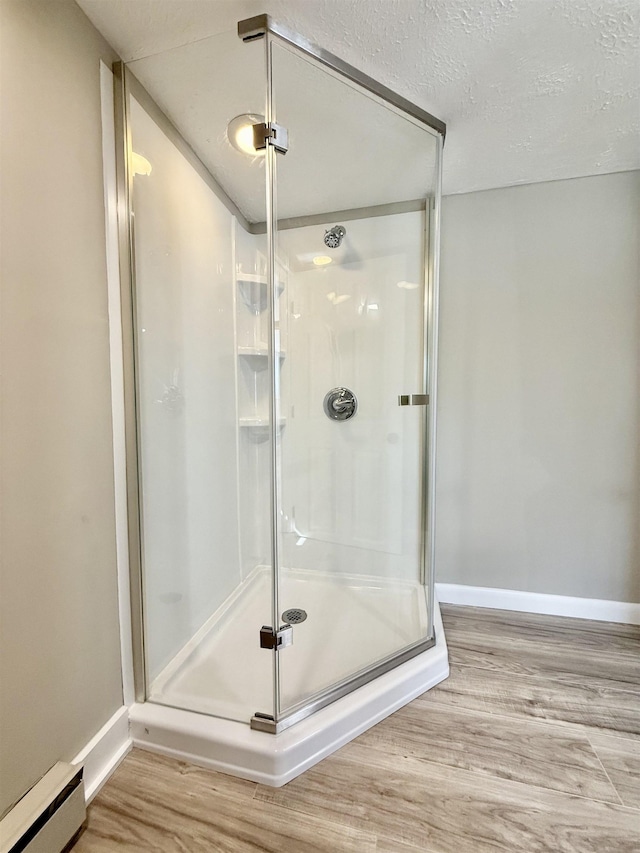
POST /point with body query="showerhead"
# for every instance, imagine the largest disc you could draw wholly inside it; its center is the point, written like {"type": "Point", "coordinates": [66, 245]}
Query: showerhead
{"type": "Point", "coordinates": [333, 237]}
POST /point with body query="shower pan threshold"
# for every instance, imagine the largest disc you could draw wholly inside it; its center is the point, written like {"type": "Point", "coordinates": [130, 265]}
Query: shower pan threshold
{"type": "Point", "coordinates": [233, 747]}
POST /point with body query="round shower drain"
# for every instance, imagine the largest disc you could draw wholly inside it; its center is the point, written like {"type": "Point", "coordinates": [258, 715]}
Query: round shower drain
{"type": "Point", "coordinates": [294, 616]}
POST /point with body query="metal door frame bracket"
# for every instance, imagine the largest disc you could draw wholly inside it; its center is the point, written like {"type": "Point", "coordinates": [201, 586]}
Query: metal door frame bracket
{"type": "Point", "coordinates": [264, 723]}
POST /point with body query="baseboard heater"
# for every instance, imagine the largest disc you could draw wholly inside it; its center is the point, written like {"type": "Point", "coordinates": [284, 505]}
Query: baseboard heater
{"type": "Point", "coordinates": [49, 817]}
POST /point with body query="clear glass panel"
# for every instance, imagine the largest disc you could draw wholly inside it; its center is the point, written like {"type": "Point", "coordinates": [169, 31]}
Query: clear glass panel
{"type": "Point", "coordinates": [202, 320]}
{"type": "Point", "coordinates": [351, 515]}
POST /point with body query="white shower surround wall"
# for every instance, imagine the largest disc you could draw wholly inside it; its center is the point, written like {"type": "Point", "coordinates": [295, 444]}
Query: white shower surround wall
{"type": "Point", "coordinates": [356, 322]}
{"type": "Point", "coordinates": [187, 394]}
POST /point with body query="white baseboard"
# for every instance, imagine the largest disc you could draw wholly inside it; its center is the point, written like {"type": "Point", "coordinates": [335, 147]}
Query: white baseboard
{"type": "Point", "coordinates": [536, 602]}
{"type": "Point", "coordinates": [104, 752]}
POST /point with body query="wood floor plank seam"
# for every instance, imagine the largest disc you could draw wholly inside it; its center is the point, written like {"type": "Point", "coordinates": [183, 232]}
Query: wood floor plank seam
{"type": "Point", "coordinates": [445, 805]}
{"type": "Point", "coordinates": [532, 786]}
{"type": "Point", "coordinates": [534, 721]}
{"type": "Point", "coordinates": [543, 721]}
{"type": "Point", "coordinates": [546, 622]}
{"type": "Point", "coordinates": [219, 819]}
{"type": "Point", "coordinates": [606, 773]}
{"type": "Point", "coordinates": [549, 677]}
{"type": "Point", "coordinates": [626, 781]}
{"type": "Point", "coordinates": [392, 845]}
{"type": "Point", "coordinates": [475, 741]}
{"type": "Point", "coordinates": [509, 664]}
{"type": "Point", "coordinates": [573, 703]}
{"type": "Point", "coordinates": [623, 648]}
{"type": "Point", "coordinates": [572, 637]}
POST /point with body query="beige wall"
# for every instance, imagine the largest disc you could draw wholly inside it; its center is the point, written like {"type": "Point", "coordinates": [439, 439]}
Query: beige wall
{"type": "Point", "coordinates": [60, 671]}
{"type": "Point", "coordinates": [538, 462]}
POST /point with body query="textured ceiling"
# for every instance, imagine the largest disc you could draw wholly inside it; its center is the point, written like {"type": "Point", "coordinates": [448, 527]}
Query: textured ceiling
{"type": "Point", "coordinates": [531, 90]}
{"type": "Point", "coordinates": [346, 149]}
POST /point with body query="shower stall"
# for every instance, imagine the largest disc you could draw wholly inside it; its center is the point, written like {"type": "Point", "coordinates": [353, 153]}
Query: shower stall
{"type": "Point", "coordinates": [278, 216]}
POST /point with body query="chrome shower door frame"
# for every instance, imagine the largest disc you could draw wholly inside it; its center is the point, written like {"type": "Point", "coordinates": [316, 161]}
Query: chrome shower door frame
{"type": "Point", "coordinates": [122, 90]}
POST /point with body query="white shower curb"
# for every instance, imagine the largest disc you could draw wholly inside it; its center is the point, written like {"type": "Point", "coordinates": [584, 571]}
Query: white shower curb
{"type": "Point", "coordinates": [234, 748]}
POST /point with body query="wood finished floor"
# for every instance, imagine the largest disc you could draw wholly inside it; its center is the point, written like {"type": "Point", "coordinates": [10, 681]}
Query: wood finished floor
{"type": "Point", "coordinates": [532, 744]}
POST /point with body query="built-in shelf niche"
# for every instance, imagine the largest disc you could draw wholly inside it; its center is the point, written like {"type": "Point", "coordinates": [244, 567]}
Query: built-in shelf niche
{"type": "Point", "coordinates": [257, 357]}
{"type": "Point", "coordinates": [255, 292]}
{"type": "Point", "coordinates": [251, 421]}
{"type": "Point", "coordinates": [257, 428]}
{"type": "Point", "coordinates": [253, 352]}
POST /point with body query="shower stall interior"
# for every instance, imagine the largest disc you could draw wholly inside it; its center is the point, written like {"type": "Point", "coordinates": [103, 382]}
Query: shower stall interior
{"type": "Point", "coordinates": [278, 215]}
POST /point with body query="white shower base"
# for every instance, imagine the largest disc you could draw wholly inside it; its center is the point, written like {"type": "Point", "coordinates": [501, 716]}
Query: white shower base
{"type": "Point", "coordinates": [353, 623]}
{"type": "Point", "coordinates": [222, 671]}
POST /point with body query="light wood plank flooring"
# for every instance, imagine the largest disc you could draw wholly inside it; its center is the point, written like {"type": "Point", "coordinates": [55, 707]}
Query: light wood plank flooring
{"type": "Point", "coordinates": [532, 744]}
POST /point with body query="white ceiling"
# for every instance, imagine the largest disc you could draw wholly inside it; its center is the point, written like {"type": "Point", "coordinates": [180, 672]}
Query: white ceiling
{"type": "Point", "coordinates": [531, 90]}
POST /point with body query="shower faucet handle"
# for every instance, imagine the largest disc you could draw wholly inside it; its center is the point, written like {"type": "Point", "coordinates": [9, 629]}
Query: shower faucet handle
{"type": "Point", "coordinates": [340, 404]}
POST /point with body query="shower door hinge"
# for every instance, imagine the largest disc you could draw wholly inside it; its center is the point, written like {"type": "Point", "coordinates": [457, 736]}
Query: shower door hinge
{"type": "Point", "coordinates": [280, 639]}
{"type": "Point", "coordinates": [271, 134]}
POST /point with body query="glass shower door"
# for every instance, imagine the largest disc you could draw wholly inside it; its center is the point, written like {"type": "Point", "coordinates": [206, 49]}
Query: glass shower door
{"type": "Point", "coordinates": [355, 191]}
{"type": "Point", "coordinates": [200, 316]}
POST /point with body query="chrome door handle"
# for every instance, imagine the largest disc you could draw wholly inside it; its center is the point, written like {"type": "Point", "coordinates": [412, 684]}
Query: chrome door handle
{"type": "Point", "coordinates": [413, 399]}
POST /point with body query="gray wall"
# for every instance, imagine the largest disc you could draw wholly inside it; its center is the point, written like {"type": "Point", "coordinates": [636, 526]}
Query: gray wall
{"type": "Point", "coordinates": [538, 472]}
{"type": "Point", "coordinates": [59, 646]}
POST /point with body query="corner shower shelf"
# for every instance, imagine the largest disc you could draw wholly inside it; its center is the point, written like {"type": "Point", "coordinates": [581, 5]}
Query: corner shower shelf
{"type": "Point", "coordinates": [257, 428]}
{"type": "Point", "coordinates": [257, 357]}
{"type": "Point", "coordinates": [256, 421]}
{"type": "Point", "coordinates": [253, 290]}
